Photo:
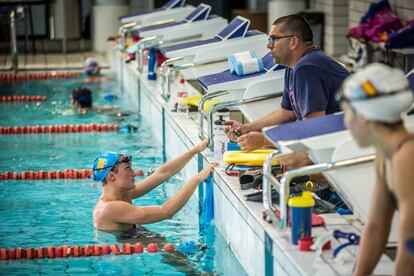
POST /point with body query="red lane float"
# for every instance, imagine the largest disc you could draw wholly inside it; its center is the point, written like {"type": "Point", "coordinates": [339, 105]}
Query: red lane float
{"type": "Point", "coordinates": [39, 76]}
{"type": "Point", "coordinates": [39, 175]}
{"type": "Point", "coordinates": [152, 247]}
{"type": "Point", "coordinates": [58, 128]}
{"type": "Point", "coordinates": [168, 247]}
{"type": "Point", "coordinates": [77, 251]}
{"type": "Point", "coordinates": [22, 98]}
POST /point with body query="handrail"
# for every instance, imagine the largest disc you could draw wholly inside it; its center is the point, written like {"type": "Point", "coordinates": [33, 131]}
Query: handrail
{"type": "Point", "coordinates": [122, 33]}
{"type": "Point", "coordinates": [165, 92]}
{"type": "Point", "coordinates": [141, 45]}
{"type": "Point", "coordinates": [289, 175]}
{"type": "Point", "coordinates": [233, 103]}
{"type": "Point", "coordinates": [164, 73]}
{"type": "Point", "coordinates": [268, 180]}
{"type": "Point", "coordinates": [201, 114]}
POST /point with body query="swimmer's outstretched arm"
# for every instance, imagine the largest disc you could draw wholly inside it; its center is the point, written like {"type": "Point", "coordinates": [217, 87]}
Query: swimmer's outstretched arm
{"type": "Point", "coordinates": [123, 212]}
{"type": "Point", "coordinates": [166, 171]}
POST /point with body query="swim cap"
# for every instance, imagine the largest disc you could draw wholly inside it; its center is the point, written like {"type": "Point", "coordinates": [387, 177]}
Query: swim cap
{"type": "Point", "coordinates": [379, 93]}
{"type": "Point", "coordinates": [91, 66]}
{"type": "Point", "coordinates": [103, 164]}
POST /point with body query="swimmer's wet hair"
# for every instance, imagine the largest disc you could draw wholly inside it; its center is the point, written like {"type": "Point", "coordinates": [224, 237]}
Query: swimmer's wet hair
{"type": "Point", "coordinates": [83, 96]}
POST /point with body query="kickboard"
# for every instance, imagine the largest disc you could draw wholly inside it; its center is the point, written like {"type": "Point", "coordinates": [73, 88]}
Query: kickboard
{"type": "Point", "coordinates": [254, 158]}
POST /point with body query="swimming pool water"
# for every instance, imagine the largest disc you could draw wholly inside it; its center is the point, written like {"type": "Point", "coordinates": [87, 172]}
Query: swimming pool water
{"type": "Point", "coordinates": [58, 212]}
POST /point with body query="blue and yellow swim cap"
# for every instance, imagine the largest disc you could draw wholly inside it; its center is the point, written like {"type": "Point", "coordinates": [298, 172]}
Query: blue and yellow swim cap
{"type": "Point", "coordinates": [103, 164]}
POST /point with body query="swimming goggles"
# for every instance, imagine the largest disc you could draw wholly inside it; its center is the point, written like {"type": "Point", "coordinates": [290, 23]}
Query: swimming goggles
{"type": "Point", "coordinates": [126, 159]}
{"type": "Point", "coordinates": [340, 97]}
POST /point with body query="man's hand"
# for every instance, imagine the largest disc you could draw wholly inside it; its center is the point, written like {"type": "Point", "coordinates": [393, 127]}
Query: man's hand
{"type": "Point", "coordinates": [206, 171]}
{"type": "Point", "coordinates": [294, 160]}
{"type": "Point", "coordinates": [202, 146]}
{"type": "Point", "coordinates": [234, 129]}
{"type": "Point", "coordinates": [251, 141]}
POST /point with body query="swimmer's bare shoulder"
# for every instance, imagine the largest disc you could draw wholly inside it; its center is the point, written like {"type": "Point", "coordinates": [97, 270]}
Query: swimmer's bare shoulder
{"type": "Point", "coordinates": [108, 215]}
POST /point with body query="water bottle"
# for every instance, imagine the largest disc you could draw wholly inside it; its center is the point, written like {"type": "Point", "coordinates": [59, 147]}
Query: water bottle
{"type": "Point", "coordinates": [301, 216]}
{"type": "Point", "coordinates": [152, 64]}
{"type": "Point", "coordinates": [182, 97]}
{"type": "Point", "coordinates": [220, 139]}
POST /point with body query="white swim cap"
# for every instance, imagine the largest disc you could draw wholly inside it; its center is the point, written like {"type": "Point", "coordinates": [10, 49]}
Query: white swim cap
{"type": "Point", "coordinates": [91, 66]}
{"type": "Point", "coordinates": [379, 93]}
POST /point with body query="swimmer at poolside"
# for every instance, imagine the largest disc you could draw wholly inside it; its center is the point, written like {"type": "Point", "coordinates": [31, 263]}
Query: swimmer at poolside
{"type": "Point", "coordinates": [374, 100]}
{"type": "Point", "coordinates": [114, 211]}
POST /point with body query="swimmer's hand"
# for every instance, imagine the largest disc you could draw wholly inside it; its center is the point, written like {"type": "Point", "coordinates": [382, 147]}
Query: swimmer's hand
{"type": "Point", "coordinates": [200, 147]}
{"type": "Point", "coordinates": [206, 171]}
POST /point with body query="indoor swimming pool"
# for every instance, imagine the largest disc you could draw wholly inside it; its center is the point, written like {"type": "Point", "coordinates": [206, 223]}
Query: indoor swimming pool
{"type": "Point", "coordinates": [43, 213]}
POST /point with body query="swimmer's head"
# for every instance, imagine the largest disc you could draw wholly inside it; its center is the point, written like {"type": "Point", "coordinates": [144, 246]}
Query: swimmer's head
{"type": "Point", "coordinates": [105, 163]}
{"type": "Point", "coordinates": [378, 93]}
{"type": "Point", "coordinates": [91, 67]}
{"type": "Point", "coordinates": [82, 97]}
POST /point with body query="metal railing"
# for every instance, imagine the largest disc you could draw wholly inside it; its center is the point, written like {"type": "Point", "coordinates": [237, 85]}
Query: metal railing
{"type": "Point", "coordinates": [166, 71]}
{"type": "Point", "coordinates": [166, 79]}
{"type": "Point", "coordinates": [268, 181]}
{"type": "Point", "coordinates": [284, 190]}
{"type": "Point", "coordinates": [232, 104]}
{"type": "Point", "coordinates": [141, 45]}
{"type": "Point", "coordinates": [122, 33]}
{"type": "Point", "coordinates": [165, 75]}
{"type": "Point", "coordinates": [201, 114]}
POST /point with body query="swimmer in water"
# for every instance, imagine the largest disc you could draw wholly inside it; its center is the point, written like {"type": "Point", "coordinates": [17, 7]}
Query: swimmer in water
{"type": "Point", "coordinates": [83, 101]}
{"type": "Point", "coordinates": [92, 70]}
{"type": "Point", "coordinates": [114, 211]}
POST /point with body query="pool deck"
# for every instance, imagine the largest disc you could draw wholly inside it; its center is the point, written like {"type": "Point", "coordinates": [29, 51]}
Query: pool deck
{"type": "Point", "coordinates": [261, 248]}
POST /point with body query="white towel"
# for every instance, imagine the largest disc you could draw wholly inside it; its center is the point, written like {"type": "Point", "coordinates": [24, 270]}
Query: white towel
{"type": "Point", "coordinates": [245, 63]}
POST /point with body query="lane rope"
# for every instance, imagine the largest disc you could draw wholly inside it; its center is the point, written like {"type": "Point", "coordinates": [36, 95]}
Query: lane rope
{"type": "Point", "coordinates": [22, 98]}
{"type": "Point", "coordinates": [38, 76]}
{"type": "Point", "coordinates": [40, 175]}
{"type": "Point", "coordinates": [58, 128]}
{"type": "Point", "coordinates": [77, 251]}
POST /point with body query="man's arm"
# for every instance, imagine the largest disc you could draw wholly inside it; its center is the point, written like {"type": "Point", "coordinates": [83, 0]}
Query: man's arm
{"type": "Point", "coordinates": [377, 229]}
{"type": "Point", "coordinates": [123, 212]}
{"type": "Point", "coordinates": [403, 165]}
{"type": "Point", "coordinates": [277, 117]}
{"type": "Point", "coordinates": [166, 171]}
{"type": "Point", "coordinates": [314, 114]}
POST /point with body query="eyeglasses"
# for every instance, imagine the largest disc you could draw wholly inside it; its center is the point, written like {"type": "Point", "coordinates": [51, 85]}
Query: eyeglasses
{"type": "Point", "coordinates": [126, 159]}
{"type": "Point", "coordinates": [273, 38]}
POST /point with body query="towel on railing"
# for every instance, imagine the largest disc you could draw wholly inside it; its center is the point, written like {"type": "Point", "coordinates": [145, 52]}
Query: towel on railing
{"type": "Point", "coordinates": [245, 63]}
{"type": "Point", "coordinates": [207, 213]}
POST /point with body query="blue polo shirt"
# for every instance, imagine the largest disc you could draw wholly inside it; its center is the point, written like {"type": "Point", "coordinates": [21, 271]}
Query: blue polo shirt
{"type": "Point", "coordinates": [312, 84]}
